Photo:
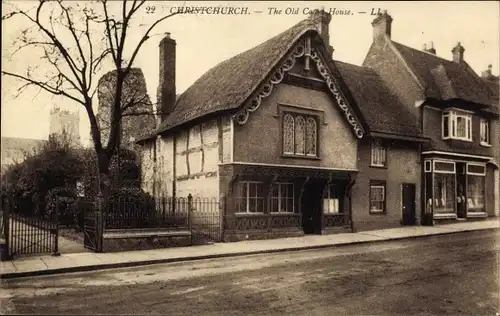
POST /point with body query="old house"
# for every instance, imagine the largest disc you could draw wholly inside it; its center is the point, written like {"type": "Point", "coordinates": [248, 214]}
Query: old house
{"type": "Point", "coordinates": [296, 142]}
{"type": "Point", "coordinates": [458, 112]}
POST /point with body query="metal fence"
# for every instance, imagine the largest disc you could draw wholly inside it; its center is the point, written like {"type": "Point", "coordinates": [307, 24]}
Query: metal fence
{"type": "Point", "coordinates": [132, 214]}
{"type": "Point", "coordinates": [26, 232]}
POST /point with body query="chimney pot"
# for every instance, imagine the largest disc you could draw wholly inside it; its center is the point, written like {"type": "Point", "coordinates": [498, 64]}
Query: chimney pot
{"type": "Point", "coordinates": [424, 47]}
{"type": "Point", "coordinates": [167, 34]}
{"type": "Point", "coordinates": [382, 26]}
{"type": "Point", "coordinates": [321, 20]}
{"type": "Point", "coordinates": [458, 53]}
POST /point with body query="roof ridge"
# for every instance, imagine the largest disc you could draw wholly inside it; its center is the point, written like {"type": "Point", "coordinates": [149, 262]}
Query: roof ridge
{"type": "Point", "coordinates": [424, 52]}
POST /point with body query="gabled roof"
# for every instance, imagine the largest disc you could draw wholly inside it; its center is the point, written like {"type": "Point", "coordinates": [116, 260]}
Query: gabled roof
{"type": "Point", "coordinates": [228, 84]}
{"type": "Point", "coordinates": [381, 109]}
{"type": "Point", "coordinates": [445, 79]}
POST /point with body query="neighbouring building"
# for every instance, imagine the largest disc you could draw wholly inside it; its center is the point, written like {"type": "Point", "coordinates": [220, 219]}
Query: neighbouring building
{"type": "Point", "coordinates": [138, 114]}
{"type": "Point", "coordinates": [15, 149]}
{"type": "Point", "coordinates": [296, 142]}
{"type": "Point", "coordinates": [458, 111]}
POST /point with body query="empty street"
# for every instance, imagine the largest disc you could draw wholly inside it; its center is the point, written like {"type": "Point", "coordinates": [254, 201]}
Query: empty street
{"type": "Point", "coordinates": [453, 274]}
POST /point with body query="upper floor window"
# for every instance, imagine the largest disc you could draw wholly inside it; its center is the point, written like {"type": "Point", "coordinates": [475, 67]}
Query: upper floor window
{"type": "Point", "coordinates": [457, 125]}
{"type": "Point", "coordinates": [300, 135]}
{"type": "Point", "coordinates": [379, 154]}
{"type": "Point", "coordinates": [484, 132]}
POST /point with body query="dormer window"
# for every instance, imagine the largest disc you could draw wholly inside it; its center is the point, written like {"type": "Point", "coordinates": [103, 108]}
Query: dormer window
{"type": "Point", "coordinates": [457, 125]}
{"type": "Point", "coordinates": [484, 133]}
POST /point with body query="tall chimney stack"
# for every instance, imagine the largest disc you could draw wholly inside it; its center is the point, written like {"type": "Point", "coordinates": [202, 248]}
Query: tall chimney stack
{"type": "Point", "coordinates": [166, 95]}
{"type": "Point", "coordinates": [382, 26]}
{"type": "Point", "coordinates": [458, 53]}
{"type": "Point", "coordinates": [321, 20]}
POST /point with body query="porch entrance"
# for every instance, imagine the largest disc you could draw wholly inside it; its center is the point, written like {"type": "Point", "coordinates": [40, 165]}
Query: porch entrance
{"type": "Point", "coordinates": [310, 206]}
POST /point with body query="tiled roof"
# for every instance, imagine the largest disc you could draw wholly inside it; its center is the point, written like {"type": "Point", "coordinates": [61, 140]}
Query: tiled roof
{"type": "Point", "coordinates": [445, 79]}
{"type": "Point", "coordinates": [381, 109]}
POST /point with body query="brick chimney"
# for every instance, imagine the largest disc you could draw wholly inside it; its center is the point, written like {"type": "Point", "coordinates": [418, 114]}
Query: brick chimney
{"type": "Point", "coordinates": [487, 74]}
{"type": "Point", "coordinates": [322, 19]}
{"type": "Point", "coordinates": [166, 89]}
{"type": "Point", "coordinates": [458, 53]}
{"type": "Point", "coordinates": [382, 26]}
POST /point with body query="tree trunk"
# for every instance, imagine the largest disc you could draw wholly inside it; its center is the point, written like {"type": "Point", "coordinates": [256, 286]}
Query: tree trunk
{"type": "Point", "coordinates": [104, 190]}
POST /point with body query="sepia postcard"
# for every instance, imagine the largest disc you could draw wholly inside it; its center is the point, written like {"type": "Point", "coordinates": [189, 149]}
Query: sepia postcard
{"type": "Point", "coordinates": [250, 158]}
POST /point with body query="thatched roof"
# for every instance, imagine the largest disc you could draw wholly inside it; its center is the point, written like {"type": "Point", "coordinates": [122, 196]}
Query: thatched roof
{"type": "Point", "coordinates": [381, 109]}
{"type": "Point", "coordinates": [227, 85]}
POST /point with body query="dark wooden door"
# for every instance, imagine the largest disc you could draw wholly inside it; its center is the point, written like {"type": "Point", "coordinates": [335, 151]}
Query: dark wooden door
{"type": "Point", "coordinates": [408, 203]}
{"type": "Point", "coordinates": [311, 207]}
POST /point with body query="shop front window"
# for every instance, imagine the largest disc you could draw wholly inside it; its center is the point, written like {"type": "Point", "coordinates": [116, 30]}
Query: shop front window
{"type": "Point", "coordinates": [444, 193]}
{"type": "Point", "coordinates": [476, 188]}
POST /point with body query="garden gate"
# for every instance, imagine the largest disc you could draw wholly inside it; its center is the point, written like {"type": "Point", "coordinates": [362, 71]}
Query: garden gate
{"type": "Point", "coordinates": [27, 232]}
{"type": "Point", "coordinates": [92, 226]}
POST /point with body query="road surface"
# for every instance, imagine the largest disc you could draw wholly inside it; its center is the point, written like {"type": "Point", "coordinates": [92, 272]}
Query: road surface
{"type": "Point", "coordinates": [454, 274]}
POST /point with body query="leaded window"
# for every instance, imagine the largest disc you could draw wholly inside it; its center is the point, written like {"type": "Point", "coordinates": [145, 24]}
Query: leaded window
{"type": "Point", "coordinates": [288, 134]}
{"type": "Point", "coordinates": [311, 131]}
{"type": "Point", "coordinates": [300, 135]}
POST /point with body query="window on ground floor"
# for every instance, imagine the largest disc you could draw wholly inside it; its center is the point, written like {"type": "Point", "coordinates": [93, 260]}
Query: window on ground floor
{"type": "Point", "coordinates": [250, 197]}
{"type": "Point", "coordinates": [377, 197]}
{"type": "Point", "coordinates": [476, 188]}
{"type": "Point", "coordinates": [444, 193]}
{"type": "Point", "coordinates": [282, 197]}
{"type": "Point", "coordinates": [331, 200]}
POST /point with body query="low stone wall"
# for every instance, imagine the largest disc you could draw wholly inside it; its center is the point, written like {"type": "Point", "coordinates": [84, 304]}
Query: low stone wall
{"type": "Point", "coordinates": [130, 240]}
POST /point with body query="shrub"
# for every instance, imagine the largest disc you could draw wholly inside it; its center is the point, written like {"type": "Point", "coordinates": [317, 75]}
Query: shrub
{"type": "Point", "coordinates": [63, 201]}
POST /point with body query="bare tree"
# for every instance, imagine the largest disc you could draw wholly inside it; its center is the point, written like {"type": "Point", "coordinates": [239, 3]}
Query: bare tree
{"type": "Point", "coordinates": [75, 40]}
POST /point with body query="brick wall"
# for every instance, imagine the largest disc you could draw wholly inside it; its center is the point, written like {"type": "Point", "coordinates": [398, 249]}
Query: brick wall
{"type": "Point", "coordinates": [259, 140]}
{"type": "Point", "coordinates": [403, 166]}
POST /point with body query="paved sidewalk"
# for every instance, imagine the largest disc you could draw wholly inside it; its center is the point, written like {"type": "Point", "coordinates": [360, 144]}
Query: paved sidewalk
{"type": "Point", "coordinates": [93, 261]}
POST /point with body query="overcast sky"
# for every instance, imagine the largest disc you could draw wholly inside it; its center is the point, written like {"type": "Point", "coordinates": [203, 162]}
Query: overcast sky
{"type": "Point", "coordinates": [205, 40]}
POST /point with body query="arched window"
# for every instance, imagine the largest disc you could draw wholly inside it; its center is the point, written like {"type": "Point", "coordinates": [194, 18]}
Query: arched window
{"type": "Point", "coordinates": [288, 134]}
{"type": "Point", "coordinates": [311, 132]}
{"type": "Point", "coordinates": [300, 135]}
